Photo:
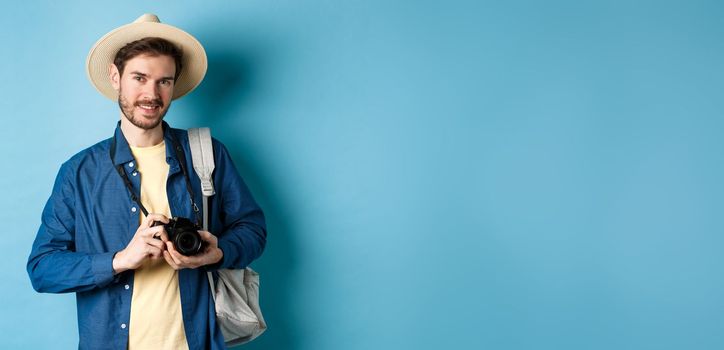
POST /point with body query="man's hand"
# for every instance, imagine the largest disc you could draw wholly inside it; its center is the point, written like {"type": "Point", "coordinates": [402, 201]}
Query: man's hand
{"type": "Point", "coordinates": [211, 255]}
{"type": "Point", "coordinates": [145, 244]}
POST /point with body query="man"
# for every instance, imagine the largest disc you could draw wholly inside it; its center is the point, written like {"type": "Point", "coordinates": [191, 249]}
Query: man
{"type": "Point", "coordinates": [133, 288]}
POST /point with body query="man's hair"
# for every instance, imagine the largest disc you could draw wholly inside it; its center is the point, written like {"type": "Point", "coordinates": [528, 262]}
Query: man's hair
{"type": "Point", "coordinates": [149, 46]}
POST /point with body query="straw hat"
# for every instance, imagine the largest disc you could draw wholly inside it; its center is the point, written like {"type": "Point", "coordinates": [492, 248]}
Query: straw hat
{"type": "Point", "coordinates": [104, 51]}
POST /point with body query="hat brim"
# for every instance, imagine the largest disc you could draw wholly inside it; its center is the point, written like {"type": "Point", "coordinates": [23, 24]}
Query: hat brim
{"type": "Point", "coordinates": [104, 51]}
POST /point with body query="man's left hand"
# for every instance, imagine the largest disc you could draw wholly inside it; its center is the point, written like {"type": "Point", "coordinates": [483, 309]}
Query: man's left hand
{"type": "Point", "coordinates": [211, 254]}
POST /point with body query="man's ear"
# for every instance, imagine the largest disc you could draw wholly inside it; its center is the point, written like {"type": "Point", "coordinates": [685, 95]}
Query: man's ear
{"type": "Point", "coordinates": [115, 76]}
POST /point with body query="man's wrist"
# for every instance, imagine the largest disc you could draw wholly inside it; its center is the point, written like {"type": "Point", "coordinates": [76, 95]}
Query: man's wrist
{"type": "Point", "coordinates": [118, 265]}
{"type": "Point", "coordinates": [220, 255]}
{"type": "Point", "coordinates": [217, 257]}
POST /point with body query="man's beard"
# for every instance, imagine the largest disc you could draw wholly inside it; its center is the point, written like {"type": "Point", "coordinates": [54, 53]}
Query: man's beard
{"type": "Point", "coordinates": [127, 110]}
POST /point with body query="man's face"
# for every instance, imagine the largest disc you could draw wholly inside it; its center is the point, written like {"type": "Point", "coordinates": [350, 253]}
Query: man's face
{"type": "Point", "coordinates": [145, 89]}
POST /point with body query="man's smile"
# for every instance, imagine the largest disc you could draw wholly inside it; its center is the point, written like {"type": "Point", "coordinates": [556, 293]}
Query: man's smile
{"type": "Point", "coordinates": [148, 107]}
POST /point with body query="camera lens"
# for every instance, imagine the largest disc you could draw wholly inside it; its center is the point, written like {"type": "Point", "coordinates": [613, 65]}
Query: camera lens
{"type": "Point", "coordinates": [183, 233]}
{"type": "Point", "coordinates": [188, 242]}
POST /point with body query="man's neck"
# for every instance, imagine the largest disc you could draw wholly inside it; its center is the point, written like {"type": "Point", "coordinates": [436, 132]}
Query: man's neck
{"type": "Point", "coordinates": [138, 137]}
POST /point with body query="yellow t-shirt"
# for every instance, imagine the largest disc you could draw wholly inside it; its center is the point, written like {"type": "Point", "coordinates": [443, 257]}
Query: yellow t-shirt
{"type": "Point", "coordinates": [156, 319]}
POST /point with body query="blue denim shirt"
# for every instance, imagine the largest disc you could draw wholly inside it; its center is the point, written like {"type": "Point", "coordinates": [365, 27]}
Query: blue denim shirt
{"type": "Point", "coordinates": [90, 216]}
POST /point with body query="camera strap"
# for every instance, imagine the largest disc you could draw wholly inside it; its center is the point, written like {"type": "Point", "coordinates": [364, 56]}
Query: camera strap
{"type": "Point", "coordinates": [180, 157]}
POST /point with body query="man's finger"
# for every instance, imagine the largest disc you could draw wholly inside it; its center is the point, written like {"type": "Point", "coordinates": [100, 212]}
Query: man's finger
{"type": "Point", "coordinates": [155, 243]}
{"type": "Point", "coordinates": [153, 252]}
{"type": "Point", "coordinates": [153, 217]}
{"type": "Point", "coordinates": [207, 236]}
{"type": "Point", "coordinates": [155, 231]}
{"type": "Point", "coordinates": [186, 261]}
{"type": "Point", "coordinates": [179, 258]}
{"type": "Point", "coordinates": [162, 235]}
{"type": "Point", "coordinates": [173, 253]}
{"type": "Point", "coordinates": [170, 261]}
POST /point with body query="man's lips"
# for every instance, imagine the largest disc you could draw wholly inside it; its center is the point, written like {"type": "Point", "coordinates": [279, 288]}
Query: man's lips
{"type": "Point", "coordinates": [148, 108]}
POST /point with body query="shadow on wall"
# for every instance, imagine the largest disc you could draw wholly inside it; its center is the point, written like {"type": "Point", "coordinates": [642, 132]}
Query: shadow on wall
{"type": "Point", "coordinates": [229, 83]}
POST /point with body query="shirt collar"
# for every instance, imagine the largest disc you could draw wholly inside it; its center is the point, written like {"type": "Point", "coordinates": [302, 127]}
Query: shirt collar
{"type": "Point", "coordinates": [123, 153]}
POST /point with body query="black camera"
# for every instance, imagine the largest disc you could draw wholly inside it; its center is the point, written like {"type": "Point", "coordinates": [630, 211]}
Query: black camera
{"type": "Point", "coordinates": [184, 235]}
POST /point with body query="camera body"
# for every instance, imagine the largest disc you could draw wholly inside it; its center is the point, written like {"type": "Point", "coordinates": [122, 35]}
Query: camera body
{"type": "Point", "coordinates": [184, 235]}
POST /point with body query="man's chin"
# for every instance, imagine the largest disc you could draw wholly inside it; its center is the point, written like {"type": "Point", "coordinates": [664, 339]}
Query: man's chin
{"type": "Point", "coordinates": [146, 123]}
{"type": "Point", "coordinates": [149, 121]}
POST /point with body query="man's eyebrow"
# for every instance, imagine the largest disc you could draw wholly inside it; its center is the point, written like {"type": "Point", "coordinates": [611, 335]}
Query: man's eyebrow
{"type": "Point", "coordinates": [146, 75]}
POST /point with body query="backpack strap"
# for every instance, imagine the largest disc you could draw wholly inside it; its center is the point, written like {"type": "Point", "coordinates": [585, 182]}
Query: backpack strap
{"type": "Point", "coordinates": [202, 155]}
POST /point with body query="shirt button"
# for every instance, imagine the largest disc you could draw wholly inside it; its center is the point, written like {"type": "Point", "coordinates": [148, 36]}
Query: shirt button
{"type": "Point", "coordinates": [126, 286]}
{"type": "Point", "coordinates": [130, 164]}
{"type": "Point", "coordinates": [123, 326]}
{"type": "Point", "coordinates": [133, 209]}
{"type": "Point", "coordinates": [134, 173]}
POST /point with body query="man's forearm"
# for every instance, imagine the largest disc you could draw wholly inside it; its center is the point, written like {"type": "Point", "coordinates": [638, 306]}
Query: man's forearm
{"type": "Point", "coordinates": [63, 271]}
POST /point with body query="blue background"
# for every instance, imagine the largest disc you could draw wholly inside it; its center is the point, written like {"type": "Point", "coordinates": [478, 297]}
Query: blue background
{"type": "Point", "coordinates": [459, 174]}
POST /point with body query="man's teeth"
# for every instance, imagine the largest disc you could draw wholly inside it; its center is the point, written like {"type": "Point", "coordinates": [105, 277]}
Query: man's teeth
{"type": "Point", "coordinates": [147, 107]}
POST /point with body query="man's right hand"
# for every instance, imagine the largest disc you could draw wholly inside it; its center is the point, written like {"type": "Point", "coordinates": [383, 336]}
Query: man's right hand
{"type": "Point", "coordinates": [143, 245]}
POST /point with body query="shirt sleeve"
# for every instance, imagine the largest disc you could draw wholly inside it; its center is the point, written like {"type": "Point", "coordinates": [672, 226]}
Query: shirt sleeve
{"type": "Point", "coordinates": [53, 265]}
{"type": "Point", "coordinates": [243, 237]}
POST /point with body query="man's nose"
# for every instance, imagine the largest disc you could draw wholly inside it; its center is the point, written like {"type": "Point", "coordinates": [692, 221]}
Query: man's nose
{"type": "Point", "coordinates": [152, 90]}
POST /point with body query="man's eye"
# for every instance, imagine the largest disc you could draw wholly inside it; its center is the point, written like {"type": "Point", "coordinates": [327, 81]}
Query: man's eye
{"type": "Point", "coordinates": [138, 78]}
{"type": "Point", "coordinates": [165, 82]}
